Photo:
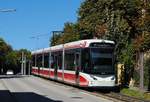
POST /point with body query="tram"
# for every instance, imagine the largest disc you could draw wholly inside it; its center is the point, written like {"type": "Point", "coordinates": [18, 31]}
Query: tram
{"type": "Point", "coordinates": [84, 63]}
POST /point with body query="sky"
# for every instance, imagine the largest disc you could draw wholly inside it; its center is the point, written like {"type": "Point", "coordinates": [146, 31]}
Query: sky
{"type": "Point", "coordinates": [31, 26]}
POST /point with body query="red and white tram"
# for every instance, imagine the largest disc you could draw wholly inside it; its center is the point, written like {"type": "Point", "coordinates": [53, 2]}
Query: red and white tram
{"type": "Point", "coordinates": [85, 63]}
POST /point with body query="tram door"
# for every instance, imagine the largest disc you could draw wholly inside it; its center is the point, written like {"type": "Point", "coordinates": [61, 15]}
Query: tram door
{"type": "Point", "coordinates": [77, 67]}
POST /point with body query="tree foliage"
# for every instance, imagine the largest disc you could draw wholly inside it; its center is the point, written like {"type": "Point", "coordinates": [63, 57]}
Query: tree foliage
{"type": "Point", "coordinates": [127, 22]}
{"type": "Point", "coordinates": [70, 33]}
{"type": "Point", "coordinates": [55, 39]}
{"type": "Point", "coordinates": [11, 59]}
{"type": "Point", "coordinates": [4, 50]}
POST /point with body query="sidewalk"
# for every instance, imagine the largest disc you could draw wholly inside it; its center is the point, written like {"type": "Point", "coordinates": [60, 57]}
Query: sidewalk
{"type": "Point", "coordinates": [5, 95]}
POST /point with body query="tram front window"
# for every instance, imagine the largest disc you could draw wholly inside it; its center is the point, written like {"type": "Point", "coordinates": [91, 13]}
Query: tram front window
{"type": "Point", "coordinates": [98, 61]}
{"type": "Point", "coordinates": [101, 61]}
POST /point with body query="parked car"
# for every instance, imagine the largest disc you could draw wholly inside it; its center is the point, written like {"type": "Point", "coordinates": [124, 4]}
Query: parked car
{"type": "Point", "coordinates": [10, 72]}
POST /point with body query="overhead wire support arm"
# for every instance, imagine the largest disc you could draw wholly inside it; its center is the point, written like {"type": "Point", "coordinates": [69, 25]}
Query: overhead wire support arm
{"type": "Point", "coordinates": [37, 38]}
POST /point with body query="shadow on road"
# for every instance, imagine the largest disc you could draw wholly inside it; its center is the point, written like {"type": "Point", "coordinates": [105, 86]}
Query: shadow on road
{"type": "Point", "coordinates": [6, 96]}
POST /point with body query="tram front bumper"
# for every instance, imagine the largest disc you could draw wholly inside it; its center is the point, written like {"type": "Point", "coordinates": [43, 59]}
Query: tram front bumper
{"type": "Point", "coordinates": [102, 83]}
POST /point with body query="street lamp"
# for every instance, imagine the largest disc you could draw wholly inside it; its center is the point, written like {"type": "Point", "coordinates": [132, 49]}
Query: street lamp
{"type": "Point", "coordinates": [7, 10]}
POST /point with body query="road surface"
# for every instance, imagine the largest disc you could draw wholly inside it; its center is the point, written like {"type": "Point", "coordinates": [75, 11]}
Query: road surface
{"type": "Point", "coordinates": [34, 89]}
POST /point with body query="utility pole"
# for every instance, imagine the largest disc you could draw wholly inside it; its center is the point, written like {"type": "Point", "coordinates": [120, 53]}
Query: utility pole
{"type": "Point", "coordinates": [29, 62]}
{"type": "Point", "coordinates": [141, 54]}
{"type": "Point", "coordinates": [24, 65]}
{"type": "Point", "coordinates": [22, 61]}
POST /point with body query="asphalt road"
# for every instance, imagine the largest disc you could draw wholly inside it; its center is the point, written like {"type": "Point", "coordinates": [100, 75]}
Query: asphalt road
{"type": "Point", "coordinates": [34, 89]}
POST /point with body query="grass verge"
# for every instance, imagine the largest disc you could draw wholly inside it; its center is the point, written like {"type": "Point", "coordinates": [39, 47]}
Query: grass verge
{"type": "Point", "coordinates": [135, 93]}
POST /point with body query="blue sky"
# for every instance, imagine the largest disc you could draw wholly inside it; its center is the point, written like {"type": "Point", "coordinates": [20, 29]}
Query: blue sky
{"type": "Point", "coordinates": [35, 17]}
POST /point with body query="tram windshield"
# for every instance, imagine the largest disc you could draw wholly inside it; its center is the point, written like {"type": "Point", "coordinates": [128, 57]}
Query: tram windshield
{"type": "Point", "coordinates": [101, 61]}
{"type": "Point", "coordinates": [98, 61]}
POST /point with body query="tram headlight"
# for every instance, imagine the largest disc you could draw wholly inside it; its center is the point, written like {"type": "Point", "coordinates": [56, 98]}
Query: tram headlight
{"type": "Point", "coordinates": [113, 78]}
{"type": "Point", "coordinates": [93, 77]}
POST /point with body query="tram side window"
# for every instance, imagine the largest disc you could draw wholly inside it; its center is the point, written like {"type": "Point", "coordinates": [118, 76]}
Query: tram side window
{"type": "Point", "coordinates": [52, 61]}
{"type": "Point", "coordinates": [69, 60]}
{"type": "Point", "coordinates": [39, 60]}
{"type": "Point", "coordinates": [33, 60]}
{"type": "Point", "coordinates": [46, 60]}
{"type": "Point", "coordinates": [85, 60]}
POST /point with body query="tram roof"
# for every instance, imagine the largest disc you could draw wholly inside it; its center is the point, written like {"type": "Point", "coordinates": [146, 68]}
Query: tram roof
{"type": "Point", "coordinates": [72, 45]}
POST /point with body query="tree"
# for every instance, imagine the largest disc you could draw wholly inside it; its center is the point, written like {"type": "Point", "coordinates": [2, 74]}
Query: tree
{"type": "Point", "coordinates": [11, 61]}
{"type": "Point", "coordinates": [55, 39]}
{"type": "Point", "coordinates": [4, 50]}
{"type": "Point", "coordinates": [70, 33]}
{"type": "Point", "coordinates": [26, 52]}
{"type": "Point", "coordinates": [121, 21]}
{"type": "Point", "coordinates": [92, 18]}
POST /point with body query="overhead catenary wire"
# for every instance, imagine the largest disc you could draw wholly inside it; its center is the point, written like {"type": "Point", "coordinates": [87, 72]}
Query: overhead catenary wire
{"type": "Point", "coordinates": [37, 38]}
